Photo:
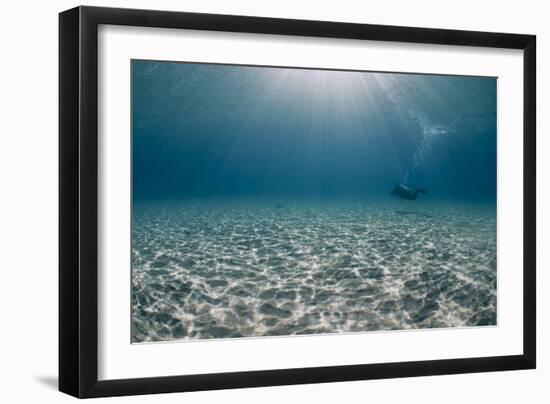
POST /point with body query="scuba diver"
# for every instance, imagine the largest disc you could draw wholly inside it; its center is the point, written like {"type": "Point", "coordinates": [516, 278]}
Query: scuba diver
{"type": "Point", "coordinates": [402, 192]}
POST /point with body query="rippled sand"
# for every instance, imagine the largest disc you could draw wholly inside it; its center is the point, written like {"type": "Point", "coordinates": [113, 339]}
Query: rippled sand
{"type": "Point", "coordinates": [234, 270]}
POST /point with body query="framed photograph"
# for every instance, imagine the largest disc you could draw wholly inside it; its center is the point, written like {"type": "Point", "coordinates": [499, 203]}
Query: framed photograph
{"type": "Point", "coordinates": [251, 201]}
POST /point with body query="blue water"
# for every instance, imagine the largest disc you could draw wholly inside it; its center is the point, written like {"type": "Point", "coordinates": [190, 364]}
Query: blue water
{"type": "Point", "coordinates": [262, 206]}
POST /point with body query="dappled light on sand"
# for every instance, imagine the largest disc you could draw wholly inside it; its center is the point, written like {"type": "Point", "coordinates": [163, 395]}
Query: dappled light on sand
{"type": "Point", "coordinates": [238, 269]}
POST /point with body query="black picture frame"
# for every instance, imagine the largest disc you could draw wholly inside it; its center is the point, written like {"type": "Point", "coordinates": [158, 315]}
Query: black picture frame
{"type": "Point", "coordinates": [78, 201]}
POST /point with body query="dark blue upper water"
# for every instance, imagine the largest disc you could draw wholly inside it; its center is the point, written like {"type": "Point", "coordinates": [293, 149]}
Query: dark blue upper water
{"type": "Point", "coordinates": [217, 131]}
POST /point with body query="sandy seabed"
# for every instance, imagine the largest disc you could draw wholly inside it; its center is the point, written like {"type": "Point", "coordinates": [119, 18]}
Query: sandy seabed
{"type": "Point", "coordinates": [223, 270]}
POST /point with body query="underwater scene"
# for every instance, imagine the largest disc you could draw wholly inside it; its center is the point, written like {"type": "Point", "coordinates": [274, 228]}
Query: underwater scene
{"type": "Point", "coordinates": [271, 201]}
